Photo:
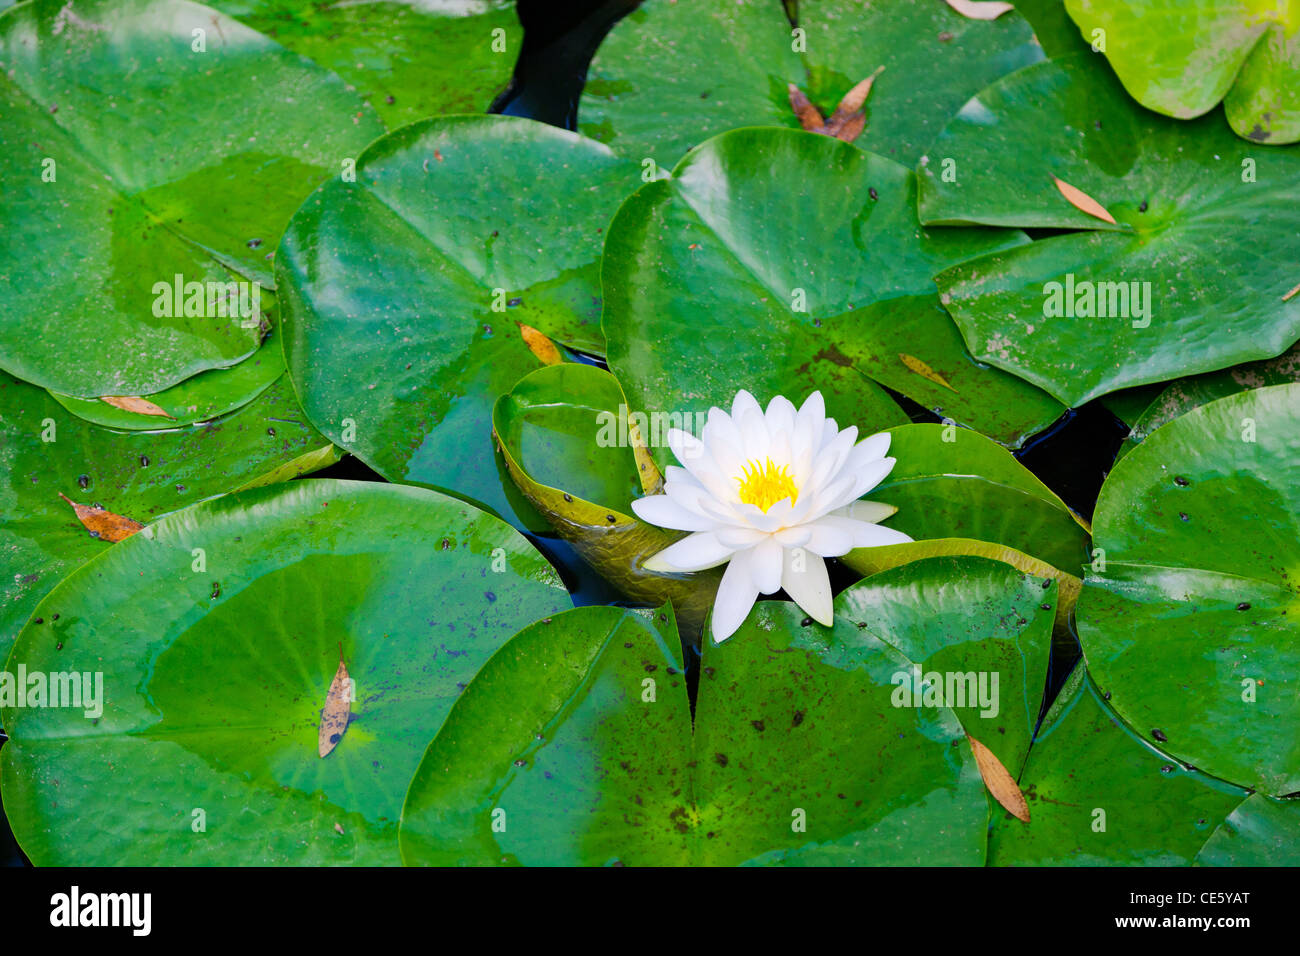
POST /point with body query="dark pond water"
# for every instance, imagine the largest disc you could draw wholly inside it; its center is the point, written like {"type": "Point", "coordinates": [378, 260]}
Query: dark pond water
{"type": "Point", "coordinates": [1071, 457]}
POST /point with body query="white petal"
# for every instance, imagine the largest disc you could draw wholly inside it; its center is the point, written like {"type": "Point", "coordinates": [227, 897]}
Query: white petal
{"type": "Point", "coordinates": [753, 433]}
{"type": "Point", "coordinates": [875, 536]}
{"type": "Point", "coordinates": [830, 537]}
{"type": "Point", "coordinates": [695, 552]}
{"type": "Point", "coordinates": [736, 596]}
{"type": "Point", "coordinates": [664, 511]}
{"type": "Point", "coordinates": [873, 511]}
{"type": "Point", "coordinates": [805, 579]}
{"type": "Point", "coordinates": [685, 446]}
{"type": "Point", "coordinates": [780, 416]}
{"type": "Point", "coordinates": [739, 538]}
{"type": "Point", "coordinates": [795, 537]}
{"type": "Point", "coordinates": [743, 402]}
{"type": "Point", "coordinates": [872, 475]}
{"type": "Point", "coordinates": [868, 450]}
{"type": "Point", "coordinates": [765, 566]}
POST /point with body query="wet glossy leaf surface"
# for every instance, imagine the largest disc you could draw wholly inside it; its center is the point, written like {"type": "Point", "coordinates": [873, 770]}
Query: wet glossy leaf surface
{"type": "Point", "coordinates": [403, 291]}
{"type": "Point", "coordinates": [1181, 57]}
{"type": "Point", "coordinates": [1192, 623]}
{"type": "Point", "coordinates": [782, 262]}
{"type": "Point", "coordinates": [214, 682]}
{"type": "Point", "coordinates": [115, 194]}
{"type": "Point", "coordinates": [1192, 202]}
{"type": "Point", "coordinates": [139, 474]}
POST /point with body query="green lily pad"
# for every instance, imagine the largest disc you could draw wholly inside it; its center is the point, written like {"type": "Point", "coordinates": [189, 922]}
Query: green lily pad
{"type": "Point", "coordinates": [407, 58]}
{"type": "Point", "coordinates": [661, 82]}
{"type": "Point", "coordinates": [1182, 396]}
{"type": "Point", "coordinates": [141, 475]}
{"type": "Point", "coordinates": [1053, 28]}
{"type": "Point", "coordinates": [146, 140]}
{"type": "Point", "coordinates": [404, 291]}
{"type": "Point", "coordinates": [951, 482]}
{"type": "Point", "coordinates": [1260, 832]}
{"type": "Point", "coordinates": [988, 641]}
{"type": "Point", "coordinates": [213, 683]}
{"type": "Point", "coordinates": [1192, 621]}
{"type": "Point", "coordinates": [1191, 202]}
{"type": "Point", "coordinates": [566, 440]}
{"type": "Point", "coordinates": [1100, 796]}
{"type": "Point", "coordinates": [1181, 57]}
{"type": "Point", "coordinates": [782, 262]}
{"type": "Point", "coordinates": [869, 561]}
{"type": "Point", "coordinates": [574, 746]}
{"type": "Point", "coordinates": [202, 398]}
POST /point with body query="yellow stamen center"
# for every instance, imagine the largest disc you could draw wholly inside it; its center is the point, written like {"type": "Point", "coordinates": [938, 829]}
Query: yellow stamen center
{"type": "Point", "coordinates": [763, 485]}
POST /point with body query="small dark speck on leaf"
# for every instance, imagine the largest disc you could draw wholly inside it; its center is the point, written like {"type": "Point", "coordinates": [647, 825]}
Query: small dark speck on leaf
{"type": "Point", "coordinates": [58, 646]}
{"type": "Point", "coordinates": [521, 762]}
{"type": "Point", "coordinates": [83, 481]}
{"type": "Point", "coordinates": [490, 596]}
{"type": "Point", "coordinates": [1047, 583]}
{"type": "Point", "coordinates": [1159, 735]}
{"type": "Point", "coordinates": [568, 497]}
{"type": "Point", "coordinates": [1106, 695]}
{"type": "Point", "coordinates": [1243, 606]}
{"type": "Point", "coordinates": [805, 622]}
{"type": "Point", "coordinates": [389, 99]}
{"type": "Point", "coordinates": [144, 461]}
{"type": "Point", "coordinates": [1143, 207]}
{"type": "Point", "coordinates": [1180, 481]}
{"type": "Point", "coordinates": [721, 759]}
{"type": "Point", "coordinates": [610, 518]}
{"type": "Point", "coordinates": [446, 545]}
{"type": "Point", "coordinates": [945, 37]}
{"type": "Point", "coordinates": [871, 191]}
{"type": "Point", "coordinates": [708, 671]}
{"type": "Point", "coordinates": [757, 725]}
{"type": "Point", "coordinates": [627, 644]}
{"type": "Point", "coordinates": [1167, 768]}
{"type": "Point", "coordinates": [515, 301]}
{"type": "Point", "coordinates": [1045, 607]}
{"type": "Point", "coordinates": [54, 617]}
{"type": "Point", "coordinates": [797, 719]}
{"type": "Point", "coordinates": [216, 590]}
{"type": "Point", "coordinates": [271, 431]}
{"type": "Point", "coordinates": [254, 243]}
{"type": "Point", "coordinates": [1183, 515]}
{"type": "Point", "coordinates": [39, 620]}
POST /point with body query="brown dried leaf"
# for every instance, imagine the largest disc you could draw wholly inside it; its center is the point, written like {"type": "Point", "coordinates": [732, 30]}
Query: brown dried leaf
{"type": "Point", "coordinates": [1081, 201]}
{"type": "Point", "coordinates": [809, 118]}
{"type": "Point", "coordinates": [1291, 295]}
{"type": "Point", "coordinates": [856, 97]}
{"type": "Point", "coordinates": [102, 523]}
{"type": "Point", "coordinates": [980, 9]}
{"type": "Point", "coordinates": [540, 345]}
{"type": "Point", "coordinates": [848, 129]}
{"type": "Point", "coordinates": [338, 708]}
{"type": "Point", "coordinates": [132, 403]}
{"type": "Point", "coordinates": [1001, 784]}
{"type": "Point", "coordinates": [914, 364]}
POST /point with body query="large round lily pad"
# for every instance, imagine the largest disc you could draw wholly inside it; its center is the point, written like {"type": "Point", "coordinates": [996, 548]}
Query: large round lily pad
{"type": "Point", "coordinates": [1101, 796]}
{"type": "Point", "coordinates": [662, 81]}
{"type": "Point", "coordinates": [1181, 57]}
{"type": "Point", "coordinates": [1175, 287]}
{"type": "Point", "coordinates": [404, 292]}
{"type": "Point", "coordinates": [782, 262]}
{"type": "Point", "coordinates": [574, 743]}
{"type": "Point", "coordinates": [214, 682]}
{"type": "Point", "coordinates": [408, 59]}
{"type": "Point", "coordinates": [45, 451]}
{"type": "Point", "coordinates": [1193, 622]}
{"type": "Point", "coordinates": [146, 140]}
{"type": "Point", "coordinates": [1261, 831]}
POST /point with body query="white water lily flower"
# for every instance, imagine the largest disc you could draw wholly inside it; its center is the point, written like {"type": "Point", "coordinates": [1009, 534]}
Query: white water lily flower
{"type": "Point", "coordinates": [770, 494]}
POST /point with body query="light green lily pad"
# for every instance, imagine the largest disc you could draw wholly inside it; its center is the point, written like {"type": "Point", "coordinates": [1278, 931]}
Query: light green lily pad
{"type": "Point", "coordinates": [567, 442]}
{"type": "Point", "coordinates": [1174, 288]}
{"type": "Point", "coordinates": [141, 475]}
{"type": "Point", "coordinates": [1100, 796]}
{"type": "Point", "coordinates": [1181, 57]}
{"type": "Point", "coordinates": [1192, 623]}
{"type": "Point", "coordinates": [408, 59]}
{"type": "Point", "coordinates": [662, 82]}
{"type": "Point", "coordinates": [951, 482]}
{"type": "Point", "coordinates": [987, 641]}
{"type": "Point", "coordinates": [145, 140]}
{"type": "Point", "coordinates": [214, 682]}
{"type": "Point", "coordinates": [574, 746]}
{"type": "Point", "coordinates": [782, 262]}
{"type": "Point", "coordinates": [404, 292]}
